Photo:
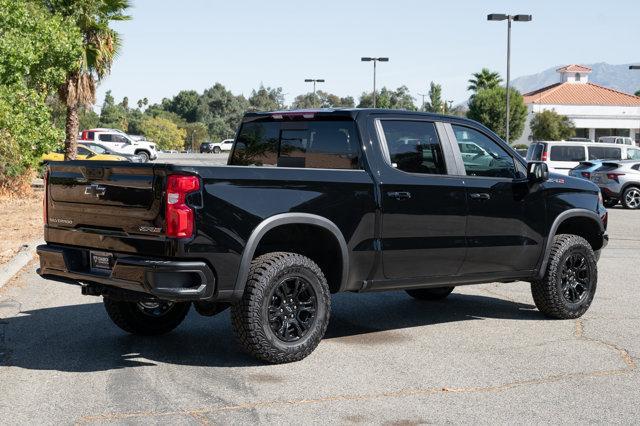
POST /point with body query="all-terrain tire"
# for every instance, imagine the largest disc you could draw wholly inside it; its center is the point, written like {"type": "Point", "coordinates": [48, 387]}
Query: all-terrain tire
{"type": "Point", "coordinates": [548, 293]}
{"type": "Point", "coordinates": [134, 319]}
{"type": "Point", "coordinates": [250, 316]}
{"type": "Point", "coordinates": [629, 199]}
{"type": "Point", "coordinates": [430, 293]}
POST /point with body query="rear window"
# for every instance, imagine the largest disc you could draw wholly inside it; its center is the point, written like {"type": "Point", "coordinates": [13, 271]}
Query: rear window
{"type": "Point", "coordinates": [322, 143]}
{"type": "Point", "coordinates": [567, 153]}
{"type": "Point", "coordinates": [604, 153]}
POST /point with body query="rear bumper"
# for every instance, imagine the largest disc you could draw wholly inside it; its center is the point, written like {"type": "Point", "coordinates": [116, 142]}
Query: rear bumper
{"type": "Point", "coordinates": [164, 279]}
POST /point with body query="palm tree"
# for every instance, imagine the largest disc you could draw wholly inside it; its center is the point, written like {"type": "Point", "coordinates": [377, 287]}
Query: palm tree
{"type": "Point", "coordinates": [484, 79]}
{"type": "Point", "coordinates": [101, 45]}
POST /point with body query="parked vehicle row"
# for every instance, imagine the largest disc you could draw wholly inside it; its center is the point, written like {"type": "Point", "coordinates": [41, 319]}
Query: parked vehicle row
{"type": "Point", "coordinates": [93, 152]}
{"type": "Point", "coordinates": [619, 181]}
{"type": "Point", "coordinates": [562, 156]}
{"type": "Point", "coordinates": [121, 143]}
{"type": "Point", "coordinates": [314, 203]}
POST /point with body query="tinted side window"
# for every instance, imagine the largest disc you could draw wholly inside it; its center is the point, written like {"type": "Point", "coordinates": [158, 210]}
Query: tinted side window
{"type": "Point", "coordinates": [633, 154]}
{"type": "Point", "coordinates": [311, 144]}
{"type": "Point", "coordinates": [414, 146]}
{"type": "Point", "coordinates": [90, 135]}
{"type": "Point", "coordinates": [604, 153]}
{"type": "Point", "coordinates": [83, 151]}
{"type": "Point", "coordinates": [567, 153]}
{"type": "Point", "coordinates": [105, 137]}
{"type": "Point", "coordinates": [486, 158]}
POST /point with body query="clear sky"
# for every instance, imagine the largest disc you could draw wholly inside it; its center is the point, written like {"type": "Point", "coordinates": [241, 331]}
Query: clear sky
{"type": "Point", "coordinates": [173, 45]}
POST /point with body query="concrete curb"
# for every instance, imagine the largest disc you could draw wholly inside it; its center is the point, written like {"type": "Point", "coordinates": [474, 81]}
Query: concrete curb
{"type": "Point", "coordinates": [19, 261]}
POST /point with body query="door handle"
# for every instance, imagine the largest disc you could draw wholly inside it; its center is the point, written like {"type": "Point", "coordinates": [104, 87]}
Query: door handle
{"type": "Point", "coordinates": [480, 196]}
{"type": "Point", "coordinates": [399, 195]}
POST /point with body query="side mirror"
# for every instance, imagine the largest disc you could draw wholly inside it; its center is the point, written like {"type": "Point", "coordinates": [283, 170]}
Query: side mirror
{"type": "Point", "coordinates": [537, 171]}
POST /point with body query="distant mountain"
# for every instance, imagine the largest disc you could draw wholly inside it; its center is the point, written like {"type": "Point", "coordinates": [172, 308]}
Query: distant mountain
{"type": "Point", "coordinates": [618, 77]}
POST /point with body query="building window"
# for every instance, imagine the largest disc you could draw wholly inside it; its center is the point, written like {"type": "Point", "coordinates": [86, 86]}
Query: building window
{"type": "Point", "coordinates": [577, 76]}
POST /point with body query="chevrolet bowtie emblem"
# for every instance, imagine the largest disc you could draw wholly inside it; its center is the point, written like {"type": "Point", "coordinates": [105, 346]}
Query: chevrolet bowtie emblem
{"type": "Point", "coordinates": [95, 190]}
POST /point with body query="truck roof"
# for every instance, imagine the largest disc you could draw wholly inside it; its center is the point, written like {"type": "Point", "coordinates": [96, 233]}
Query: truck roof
{"type": "Point", "coordinates": [348, 112]}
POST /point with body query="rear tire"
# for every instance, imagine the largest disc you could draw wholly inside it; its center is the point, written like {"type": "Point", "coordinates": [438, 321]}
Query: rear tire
{"type": "Point", "coordinates": [285, 308]}
{"type": "Point", "coordinates": [570, 281]}
{"type": "Point", "coordinates": [438, 293]}
{"type": "Point", "coordinates": [146, 318]}
{"type": "Point", "coordinates": [631, 198]}
{"type": "Point", "coordinates": [216, 150]}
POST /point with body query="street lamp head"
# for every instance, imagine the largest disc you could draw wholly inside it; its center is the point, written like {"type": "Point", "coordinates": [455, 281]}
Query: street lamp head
{"type": "Point", "coordinates": [308, 80]}
{"type": "Point", "coordinates": [366, 59]}
{"type": "Point", "coordinates": [383, 59]}
{"type": "Point", "coordinates": [522, 18]}
{"type": "Point", "coordinates": [320, 80]}
{"type": "Point", "coordinates": [634, 67]}
{"type": "Point", "coordinates": [497, 17]}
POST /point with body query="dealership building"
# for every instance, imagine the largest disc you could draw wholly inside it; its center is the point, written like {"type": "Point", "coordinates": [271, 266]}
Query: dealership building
{"type": "Point", "coordinates": [595, 110]}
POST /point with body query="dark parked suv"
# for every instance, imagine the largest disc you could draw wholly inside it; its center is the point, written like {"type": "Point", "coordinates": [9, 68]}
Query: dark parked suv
{"type": "Point", "coordinates": [314, 203]}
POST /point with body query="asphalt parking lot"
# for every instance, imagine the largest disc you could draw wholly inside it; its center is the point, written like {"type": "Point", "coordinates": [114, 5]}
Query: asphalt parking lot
{"type": "Point", "coordinates": [484, 355]}
{"type": "Point", "coordinates": [193, 158]}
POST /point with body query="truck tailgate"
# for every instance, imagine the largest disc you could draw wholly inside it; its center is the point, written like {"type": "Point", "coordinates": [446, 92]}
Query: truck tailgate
{"type": "Point", "coordinates": [123, 198]}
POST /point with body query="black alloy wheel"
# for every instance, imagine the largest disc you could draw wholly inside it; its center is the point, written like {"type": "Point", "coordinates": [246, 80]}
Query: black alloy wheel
{"type": "Point", "coordinates": [292, 309]}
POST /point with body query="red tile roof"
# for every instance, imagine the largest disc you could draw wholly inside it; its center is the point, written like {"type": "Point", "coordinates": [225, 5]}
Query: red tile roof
{"type": "Point", "coordinates": [574, 68]}
{"type": "Point", "coordinates": [580, 94]}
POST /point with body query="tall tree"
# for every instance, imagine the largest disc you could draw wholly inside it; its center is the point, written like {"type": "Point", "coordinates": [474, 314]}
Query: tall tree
{"type": "Point", "coordinates": [489, 107]}
{"type": "Point", "coordinates": [37, 50]}
{"type": "Point", "coordinates": [221, 111]}
{"type": "Point", "coordinates": [485, 79]}
{"type": "Point", "coordinates": [551, 126]}
{"type": "Point", "coordinates": [391, 99]}
{"type": "Point", "coordinates": [266, 99]}
{"type": "Point", "coordinates": [322, 100]}
{"type": "Point", "coordinates": [100, 46]}
{"type": "Point", "coordinates": [435, 103]}
{"type": "Point", "coordinates": [185, 104]}
{"type": "Point", "coordinates": [113, 115]}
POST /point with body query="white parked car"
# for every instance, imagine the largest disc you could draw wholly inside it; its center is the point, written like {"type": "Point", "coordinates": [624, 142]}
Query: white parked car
{"type": "Point", "coordinates": [562, 156]}
{"type": "Point", "coordinates": [121, 143]}
{"type": "Point", "coordinates": [619, 140]}
{"type": "Point", "coordinates": [217, 147]}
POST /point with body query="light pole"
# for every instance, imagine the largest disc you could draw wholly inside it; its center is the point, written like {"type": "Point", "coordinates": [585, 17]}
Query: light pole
{"type": "Point", "coordinates": [634, 67]}
{"type": "Point", "coordinates": [375, 60]}
{"type": "Point", "coordinates": [423, 95]}
{"type": "Point", "coordinates": [314, 81]}
{"type": "Point", "coordinates": [508, 18]}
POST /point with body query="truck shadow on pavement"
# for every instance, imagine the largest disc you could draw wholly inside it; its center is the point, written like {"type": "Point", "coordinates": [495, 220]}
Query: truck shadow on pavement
{"type": "Point", "coordinates": [81, 338]}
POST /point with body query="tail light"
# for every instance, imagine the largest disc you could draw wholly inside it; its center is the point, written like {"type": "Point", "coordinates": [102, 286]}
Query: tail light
{"type": "Point", "coordinates": [179, 216]}
{"type": "Point", "coordinates": [45, 216]}
{"type": "Point", "coordinates": [614, 176]}
{"type": "Point", "coordinates": [586, 175]}
{"type": "Point", "coordinates": [544, 156]}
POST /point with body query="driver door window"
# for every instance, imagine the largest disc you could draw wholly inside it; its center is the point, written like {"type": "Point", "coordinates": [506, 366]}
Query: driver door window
{"type": "Point", "coordinates": [482, 156]}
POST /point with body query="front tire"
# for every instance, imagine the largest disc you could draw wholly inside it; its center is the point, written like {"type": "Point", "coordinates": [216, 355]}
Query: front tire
{"type": "Point", "coordinates": [570, 281]}
{"type": "Point", "coordinates": [438, 293]}
{"type": "Point", "coordinates": [146, 318]}
{"type": "Point", "coordinates": [216, 150]}
{"type": "Point", "coordinates": [631, 198]}
{"type": "Point", "coordinates": [285, 309]}
{"type": "Point", "coordinates": [144, 156]}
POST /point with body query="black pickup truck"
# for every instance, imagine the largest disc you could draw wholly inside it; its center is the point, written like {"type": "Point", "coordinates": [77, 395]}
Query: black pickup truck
{"type": "Point", "coordinates": [313, 203]}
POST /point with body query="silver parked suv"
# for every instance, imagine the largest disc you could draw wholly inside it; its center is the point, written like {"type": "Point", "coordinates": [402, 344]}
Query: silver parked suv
{"type": "Point", "coordinates": [619, 180]}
